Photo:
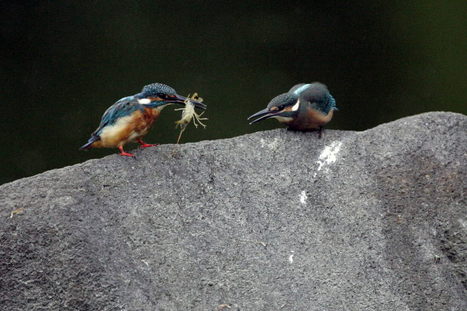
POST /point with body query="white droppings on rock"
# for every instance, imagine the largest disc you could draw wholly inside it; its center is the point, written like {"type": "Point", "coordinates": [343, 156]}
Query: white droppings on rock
{"type": "Point", "coordinates": [291, 257]}
{"type": "Point", "coordinates": [303, 197]}
{"type": "Point", "coordinates": [328, 155]}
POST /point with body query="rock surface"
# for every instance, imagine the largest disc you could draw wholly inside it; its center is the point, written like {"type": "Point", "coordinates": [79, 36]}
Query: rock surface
{"type": "Point", "coordinates": [274, 220]}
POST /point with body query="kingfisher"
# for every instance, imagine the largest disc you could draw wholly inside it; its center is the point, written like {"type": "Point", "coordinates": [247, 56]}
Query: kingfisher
{"type": "Point", "coordinates": [305, 107]}
{"type": "Point", "coordinates": [131, 117]}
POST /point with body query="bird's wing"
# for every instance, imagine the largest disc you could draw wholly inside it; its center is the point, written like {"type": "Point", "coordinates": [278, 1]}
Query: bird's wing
{"type": "Point", "coordinates": [122, 108]}
{"type": "Point", "coordinates": [318, 96]}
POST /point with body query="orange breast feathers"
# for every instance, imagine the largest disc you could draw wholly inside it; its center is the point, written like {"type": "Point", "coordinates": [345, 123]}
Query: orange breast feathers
{"type": "Point", "coordinates": [319, 118]}
{"type": "Point", "coordinates": [129, 128]}
{"type": "Point", "coordinates": [311, 119]}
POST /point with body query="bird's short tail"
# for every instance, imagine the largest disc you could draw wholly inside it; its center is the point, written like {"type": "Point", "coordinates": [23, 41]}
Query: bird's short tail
{"type": "Point", "coordinates": [332, 102]}
{"type": "Point", "coordinates": [91, 140]}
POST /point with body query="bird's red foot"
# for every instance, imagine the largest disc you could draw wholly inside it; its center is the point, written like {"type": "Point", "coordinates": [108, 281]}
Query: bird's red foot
{"type": "Point", "coordinates": [125, 154]}
{"type": "Point", "coordinates": [144, 145]}
{"type": "Point", "coordinates": [148, 145]}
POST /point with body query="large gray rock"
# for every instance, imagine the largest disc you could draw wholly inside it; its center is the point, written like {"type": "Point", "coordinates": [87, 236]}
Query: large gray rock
{"type": "Point", "coordinates": [275, 220]}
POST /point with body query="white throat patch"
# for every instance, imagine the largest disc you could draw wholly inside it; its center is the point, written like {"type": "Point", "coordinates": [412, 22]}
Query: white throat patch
{"type": "Point", "coordinates": [296, 106]}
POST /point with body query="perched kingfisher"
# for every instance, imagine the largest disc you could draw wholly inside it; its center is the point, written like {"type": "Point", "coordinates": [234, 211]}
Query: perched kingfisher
{"type": "Point", "coordinates": [304, 107]}
{"type": "Point", "coordinates": [131, 117]}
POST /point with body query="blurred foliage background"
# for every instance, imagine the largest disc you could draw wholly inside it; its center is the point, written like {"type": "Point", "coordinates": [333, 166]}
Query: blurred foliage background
{"type": "Point", "coordinates": [64, 62]}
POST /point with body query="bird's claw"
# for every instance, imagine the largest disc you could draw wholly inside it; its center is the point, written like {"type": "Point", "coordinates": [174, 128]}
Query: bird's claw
{"type": "Point", "coordinates": [123, 153]}
{"type": "Point", "coordinates": [144, 145]}
{"type": "Point", "coordinates": [126, 154]}
{"type": "Point", "coordinates": [148, 145]}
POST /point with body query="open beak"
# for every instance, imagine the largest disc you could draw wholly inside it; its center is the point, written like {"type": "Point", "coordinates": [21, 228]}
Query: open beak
{"type": "Point", "coordinates": [178, 99]}
{"type": "Point", "coordinates": [262, 115]}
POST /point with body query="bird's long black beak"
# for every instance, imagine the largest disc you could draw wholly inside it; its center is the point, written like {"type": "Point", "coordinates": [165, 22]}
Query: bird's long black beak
{"type": "Point", "coordinates": [262, 115]}
{"type": "Point", "coordinates": [179, 99]}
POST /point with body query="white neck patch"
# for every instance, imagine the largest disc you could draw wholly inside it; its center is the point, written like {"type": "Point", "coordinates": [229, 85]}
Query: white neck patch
{"type": "Point", "coordinates": [144, 101]}
{"type": "Point", "coordinates": [296, 106]}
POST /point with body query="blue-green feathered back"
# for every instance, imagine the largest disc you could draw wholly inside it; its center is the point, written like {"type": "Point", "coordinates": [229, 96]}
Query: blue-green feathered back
{"type": "Point", "coordinates": [318, 95]}
{"type": "Point", "coordinates": [325, 104]}
{"type": "Point", "coordinates": [122, 108]}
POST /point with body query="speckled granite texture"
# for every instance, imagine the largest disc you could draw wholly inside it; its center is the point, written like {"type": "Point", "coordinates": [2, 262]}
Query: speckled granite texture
{"type": "Point", "coordinates": [275, 220]}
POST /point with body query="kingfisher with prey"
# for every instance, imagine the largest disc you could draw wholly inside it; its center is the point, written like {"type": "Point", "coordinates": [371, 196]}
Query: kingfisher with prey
{"type": "Point", "coordinates": [304, 107]}
{"type": "Point", "coordinates": [131, 117]}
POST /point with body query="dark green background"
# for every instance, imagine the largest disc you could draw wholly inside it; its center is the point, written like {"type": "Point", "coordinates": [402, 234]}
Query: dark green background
{"type": "Point", "coordinates": [64, 62]}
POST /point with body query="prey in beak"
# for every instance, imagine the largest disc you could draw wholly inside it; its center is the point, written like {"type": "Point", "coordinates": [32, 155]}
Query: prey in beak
{"type": "Point", "coordinates": [179, 99]}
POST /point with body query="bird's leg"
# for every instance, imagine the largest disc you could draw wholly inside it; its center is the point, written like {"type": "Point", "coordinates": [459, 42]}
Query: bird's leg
{"type": "Point", "coordinates": [123, 153]}
{"type": "Point", "coordinates": [320, 132]}
{"type": "Point", "coordinates": [144, 145]}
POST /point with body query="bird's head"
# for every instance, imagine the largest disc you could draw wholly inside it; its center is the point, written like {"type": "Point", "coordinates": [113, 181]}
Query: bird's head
{"type": "Point", "coordinates": [284, 108]}
{"type": "Point", "coordinates": [158, 95]}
